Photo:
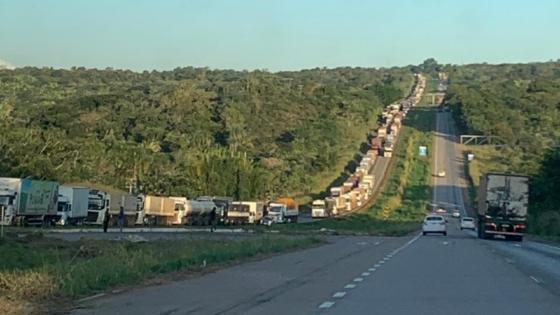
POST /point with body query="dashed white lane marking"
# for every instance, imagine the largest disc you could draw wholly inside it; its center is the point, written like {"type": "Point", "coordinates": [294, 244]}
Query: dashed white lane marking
{"type": "Point", "coordinates": [350, 286]}
{"type": "Point", "coordinates": [365, 274]}
{"type": "Point", "coordinates": [381, 262]}
{"type": "Point", "coordinates": [339, 294]}
{"type": "Point", "coordinates": [362, 243]}
{"type": "Point", "coordinates": [377, 243]}
{"type": "Point", "coordinates": [535, 279]}
{"type": "Point", "coordinates": [372, 269]}
{"type": "Point", "coordinates": [377, 265]}
{"type": "Point", "coordinates": [327, 304]}
{"type": "Point", "coordinates": [517, 245]}
{"type": "Point", "coordinates": [358, 279]}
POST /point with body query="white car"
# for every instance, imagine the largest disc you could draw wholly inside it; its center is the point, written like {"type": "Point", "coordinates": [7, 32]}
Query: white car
{"type": "Point", "coordinates": [441, 211]}
{"type": "Point", "coordinates": [441, 174]}
{"type": "Point", "coordinates": [456, 214]}
{"type": "Point", "coordinates": [467, 223]}
{"type": "Point", "coordinates": [434, 223]}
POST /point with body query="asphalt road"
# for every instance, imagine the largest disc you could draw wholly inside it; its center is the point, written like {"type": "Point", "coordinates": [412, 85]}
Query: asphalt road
{"type": "Point", "coordinates": [457, 274]}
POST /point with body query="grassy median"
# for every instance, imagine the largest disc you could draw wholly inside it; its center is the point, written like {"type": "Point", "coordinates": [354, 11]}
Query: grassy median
{"type": "Point", "coordinates": [406, 194]}
{"type": "Point", "coordinates": [36, 270]}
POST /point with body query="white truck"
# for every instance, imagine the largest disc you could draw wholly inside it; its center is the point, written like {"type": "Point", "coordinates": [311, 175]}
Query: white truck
{"type": "Point", "coordinates": [28, 201]}
{"type": "Point", "coordinates": [244, 212]}
{"type": "Point", "coordinates": [101, 202]}
{"type": "Point", "coordinates": [323, 208]}
{"type": "Point", "coordinates": [283, 210]}
{"type": "Point", "coordinates": [156, 210]}
{"type": "Point", "coordinates": [72, 204]}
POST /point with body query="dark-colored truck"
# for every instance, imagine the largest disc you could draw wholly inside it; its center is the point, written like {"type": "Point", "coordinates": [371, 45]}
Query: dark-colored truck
{"type": "Point", "coordinates": [503, 200]}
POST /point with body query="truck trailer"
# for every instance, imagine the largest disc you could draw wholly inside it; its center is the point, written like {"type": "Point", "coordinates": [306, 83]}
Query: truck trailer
{"type": "Point", "coordinates": [28, 201]}
{"type": "Point", "coordinates": [503, 200]}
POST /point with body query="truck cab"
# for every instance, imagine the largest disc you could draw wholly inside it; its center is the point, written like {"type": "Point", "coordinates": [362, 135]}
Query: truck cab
{"type": "Point", "coordinates": [98, 203]}
{"type": "Point", "coordinates": [62, 209]}
{"type": "Point", "coordinates": [8, 202]}
{"type": "Point", "coordinates": [319, 209]}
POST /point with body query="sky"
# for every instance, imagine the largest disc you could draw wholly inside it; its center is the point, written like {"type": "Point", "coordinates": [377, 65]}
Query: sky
{"type": "Point", "coordinates": [275, 34]}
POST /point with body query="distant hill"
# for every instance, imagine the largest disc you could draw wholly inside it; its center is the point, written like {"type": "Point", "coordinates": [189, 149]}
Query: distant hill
{"type": "Point", "coordinates": [6, 65]}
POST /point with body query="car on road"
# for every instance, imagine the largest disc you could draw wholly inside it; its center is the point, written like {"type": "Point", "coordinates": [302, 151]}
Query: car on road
{"type": "Point", "coordinates": [441, 211]}
{"type": "Point", "coordinates": [434, 224]}
{"type": "Point", "coordinates": [467, 223]}
{"type": "Point", "coordinates": [441, 174]}
{"type": "Point", "coordinates": [456, 214]}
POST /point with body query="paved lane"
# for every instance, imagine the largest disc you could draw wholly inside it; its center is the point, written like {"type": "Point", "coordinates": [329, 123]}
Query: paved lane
{"type": "Point", "coordinates": [457, 274]}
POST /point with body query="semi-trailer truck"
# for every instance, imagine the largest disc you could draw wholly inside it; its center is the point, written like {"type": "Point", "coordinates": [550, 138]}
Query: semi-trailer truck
{"type": "Point", "coordinates": [100, 203]}
{"type": "Point", "coordinates": [28, 201]}
{"type": "Point", "coordinates": [503, 201]}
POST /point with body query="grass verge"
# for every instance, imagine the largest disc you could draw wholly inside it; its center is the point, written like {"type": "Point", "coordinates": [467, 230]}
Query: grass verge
{"type": "Point", "coordinates": [35, 271]}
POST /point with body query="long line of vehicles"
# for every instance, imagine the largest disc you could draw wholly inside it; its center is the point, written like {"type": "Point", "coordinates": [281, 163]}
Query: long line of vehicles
{"type": "Point", "coordinates": [358, 188]}
{"type": "Point", "coordinates": [29, 201]}
{"type": "Point", "coordinates": [37, 202]}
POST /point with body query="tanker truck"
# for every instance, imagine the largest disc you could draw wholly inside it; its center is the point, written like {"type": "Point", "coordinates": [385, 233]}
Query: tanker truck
{"type": "Point", "coordinates": [28, 201]}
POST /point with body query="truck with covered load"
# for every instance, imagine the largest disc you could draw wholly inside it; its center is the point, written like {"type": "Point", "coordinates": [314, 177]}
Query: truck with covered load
{"type": "Point", "coordinates": [72, 204]}
{"type": "Point", "coordinates": [156, 210]}
{"type": "Point", "coordinates": [503, 200]}
{"type": "Point", "coordinates": [28, 201]}
{"type": "Point", "coordinates": [244, 212]}
{"type": "Point", "coordinates": [283, 210]}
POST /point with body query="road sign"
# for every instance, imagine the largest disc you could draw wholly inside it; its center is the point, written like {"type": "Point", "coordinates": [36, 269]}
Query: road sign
{"type": "Point", "coordinates": [422, 150]}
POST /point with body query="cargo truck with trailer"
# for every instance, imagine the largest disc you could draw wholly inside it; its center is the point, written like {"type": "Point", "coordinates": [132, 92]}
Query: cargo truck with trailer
{"type": "Point", "coordinates": [503, 201]}
{"type": "Point", "coordinates": [72, 204]}
{"type": "Point", "coordinates": [28, 201]}
{"type": "Point", "coordinates": [156, 210]}
{"type": "Point", "coordinates": [101, 202]}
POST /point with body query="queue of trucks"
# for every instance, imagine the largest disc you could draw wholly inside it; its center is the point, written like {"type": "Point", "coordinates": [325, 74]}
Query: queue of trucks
{"type": "Point", "coordinates": [37, 202]}
{"type": "Point", "coordinates": [358, 189]}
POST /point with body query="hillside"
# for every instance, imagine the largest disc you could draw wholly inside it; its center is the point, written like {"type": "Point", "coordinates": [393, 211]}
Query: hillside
{"type": "Point", "coordinates": [189, 131]}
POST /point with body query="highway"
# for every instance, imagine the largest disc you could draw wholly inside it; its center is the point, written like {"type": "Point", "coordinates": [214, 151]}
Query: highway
{"type": "Point", "coordinates": [454, 274]}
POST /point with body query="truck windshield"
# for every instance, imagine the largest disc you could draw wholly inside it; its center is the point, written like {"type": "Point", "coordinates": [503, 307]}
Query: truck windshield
{"type": "Point", "coordinates": [240, 208]}
{"type": "Point", "coordinates": [6, 200]}
{"type": "Point", "coordinates": [62, 207]}
{"type": "Point", "coordinates": [276, 209]}
{"type": "Point", "coordinates": [95, 204]}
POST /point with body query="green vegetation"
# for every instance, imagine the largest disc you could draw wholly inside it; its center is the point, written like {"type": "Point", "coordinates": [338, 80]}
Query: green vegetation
{"type": "Point", "coordinates": [519, 104]}
{"type": "Point", "coordinates": [189, 131]}
{"type": "Point", "coordinates": [34, 270]}
{"type": "Point", "coordinates": [405, 195]}
{"type": "Point", "coordinates": [407, 191]}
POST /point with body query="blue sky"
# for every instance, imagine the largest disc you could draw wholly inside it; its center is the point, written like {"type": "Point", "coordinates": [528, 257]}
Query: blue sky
{"type": "Point", "coordinates": [275, 34]}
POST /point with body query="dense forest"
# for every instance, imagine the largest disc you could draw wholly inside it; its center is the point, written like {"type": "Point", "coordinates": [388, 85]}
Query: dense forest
{"type": "Point", "coordinates": [190, 131]}
{"type": "Point", "coordinates": [520, 103]}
